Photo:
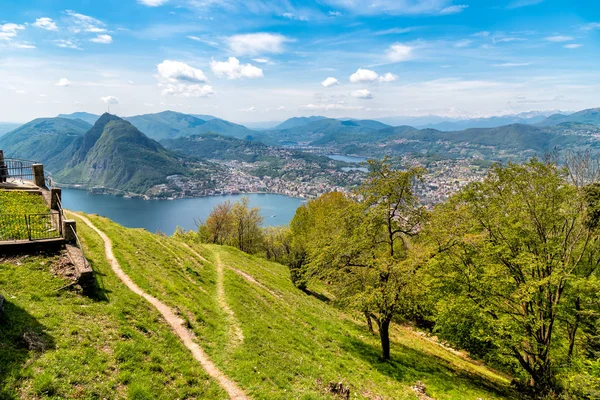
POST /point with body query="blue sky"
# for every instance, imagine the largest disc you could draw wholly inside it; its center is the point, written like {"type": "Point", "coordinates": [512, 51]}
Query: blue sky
{"type": "Point", "coordinates": [259, 60]}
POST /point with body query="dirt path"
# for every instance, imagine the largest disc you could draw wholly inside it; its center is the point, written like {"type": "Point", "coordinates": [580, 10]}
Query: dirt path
{"type": "Point", "coordinates": [237, 334]}
{"type": "Point", "coordinates": [177, 324]}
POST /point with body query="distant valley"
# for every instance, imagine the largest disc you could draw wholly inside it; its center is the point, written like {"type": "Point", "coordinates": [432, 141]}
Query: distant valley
{"type": "Point", "coordinates": [171, 154]}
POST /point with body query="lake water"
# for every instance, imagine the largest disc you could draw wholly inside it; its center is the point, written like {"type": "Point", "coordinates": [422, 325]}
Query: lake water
{"type": "Point", "coordinates": [349, 159]}
{"type": "Point", "coordinates": [165, 215]}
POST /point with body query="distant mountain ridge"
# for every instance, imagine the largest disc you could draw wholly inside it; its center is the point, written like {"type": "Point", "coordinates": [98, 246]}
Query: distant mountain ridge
{"type": "Point", "coordinates": [590, 116]}
{"type": "Point", "coordinates": [84, 116]}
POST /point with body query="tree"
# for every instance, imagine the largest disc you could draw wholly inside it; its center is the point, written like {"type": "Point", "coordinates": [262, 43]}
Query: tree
{"type": "Point", "coordinates": [247, 234]}
{"type": "Point", "coordinates": [219, 223]}
{"type": "Point", "coordinates": [513, 249]}
{"type": "Point", "coordinates": [363, 245]}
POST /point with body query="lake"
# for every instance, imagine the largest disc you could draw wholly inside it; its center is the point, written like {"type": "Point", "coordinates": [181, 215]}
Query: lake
{"type": "Point", "coordinates": [165, 215]}
{"type": "Point", "coordinates": [348, 159]}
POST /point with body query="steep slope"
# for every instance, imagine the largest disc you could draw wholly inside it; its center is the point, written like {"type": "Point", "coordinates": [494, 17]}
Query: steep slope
{"type": "Point", "coordinates": [52, 141]}
{"type": "Point", "coordinates": [110, 345]}
{"type": "Point", "coordinates": [84, 116]}
{"type": "Point", "coordinates": [118, 156]}
{"type": "Point", "coordinates": [590, 116]}
{"type": "Point", "coordinates": [214, 146]}
{"type": "Point", "coordinates": [276, 341]}
{"type": "Point", "coordinates": [226, 128]}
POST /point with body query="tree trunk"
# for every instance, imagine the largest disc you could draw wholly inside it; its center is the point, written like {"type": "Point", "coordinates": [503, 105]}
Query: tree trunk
{"type": "Point", "coordinates": [369, 322]}
{"type": "Point", "coordinates": [384, 334]}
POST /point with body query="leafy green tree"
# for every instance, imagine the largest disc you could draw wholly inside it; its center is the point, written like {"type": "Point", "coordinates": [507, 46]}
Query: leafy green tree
{"type": "Point", "coordinates": [247, 233]}
{"type": "Point", "coordinates": [512, 250]}
{"type": "Point", "coordinates": [220, 223]}
{"type": "Point", "coordinates": [363, 245]}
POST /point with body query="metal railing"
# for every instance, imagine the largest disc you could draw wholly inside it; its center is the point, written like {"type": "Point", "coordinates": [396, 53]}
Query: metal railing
{"type": "Point", "coordinates": [16, 169]}
{"type": "Point", "coordinates": [30, 226]}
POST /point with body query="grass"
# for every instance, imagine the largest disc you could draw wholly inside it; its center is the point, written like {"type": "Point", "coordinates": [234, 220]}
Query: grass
{"type": "Point", "coordinates": [19, 209]}
{"type": "Point", "coordinates": [112, 345]}
{"type": "Point", "coordinates": [294, 344]}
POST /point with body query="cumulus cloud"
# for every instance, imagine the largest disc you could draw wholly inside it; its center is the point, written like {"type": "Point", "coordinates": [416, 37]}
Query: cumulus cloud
{"type": "Point", "coordinates": [103, 39]}
{"type": "Point", "coordinates": [174, 71]}
{"type": "Point", "coordinates": [367, 75]}
{"type": "Point", "coordinates": [110, 100]}
{"type": "Point", "coordinates": [152, 3]}
{"type": "Point", "coordinates": [398, 52]}
{"type": "Point", "coordinates": [63, 82]}
{"type": "Point", "coordinates": [388, 77]}
{"type": "Point", "coordinates": [187, 90]}
{"type": "Point", "coordinates": [232, 69]}
{"type": "Point", "coordinates": [9, 31]}
{"type": "Point", "coordinates": [559, 38]}
{"type": "Point", "coordinates": [257, 43]}
{"type": "Point", "coordinates": [362, 94]}
{"type": "Point", "coordinates": [249, 109]}
{"type": "Point", "coordinates": [330, 81]}
{"type": "Point", "coordinates": [363, 75]}
{"type": "Point", "coordinates": [45, 23]}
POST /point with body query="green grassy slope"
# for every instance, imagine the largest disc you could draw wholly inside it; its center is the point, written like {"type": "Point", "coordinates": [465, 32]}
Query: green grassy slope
{"type": "Point", "coordinates": [293, 344]}
{"type": "Point", "coordinates": [114, 346]}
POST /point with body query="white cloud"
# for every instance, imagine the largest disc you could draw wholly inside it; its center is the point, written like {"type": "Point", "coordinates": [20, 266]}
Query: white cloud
{"type": "Point", "coordinates": [289, 15]}
{"type": "Point", "coordinates": [453, 9]}
{"type": "Point", "coordinates": [110, 100]}
{"type": "Point", "coordinates": [67, 44]}
{"type": "Point", "coordinates": [63, 82]}
{"type": "Point", "coordinates": [512, 65]}
{"type": "Point", "coordinates": [573, 46]}
{"type": "Point", "coordinates": [394, 31]}
{"type": "Point", "coordinates": [367, 75]}
{"type": "Point", "coordinates": [363, 75]}
{"type": "Point", "coordinates": [249, 109]}
{"type": "Point", "coordinates": [103, 39]}
{"type": "Point", "coordinates": [482, 34]}
{"type": "Point", "coordinates": [22, 46]}
{"type": "Point", "coordinates": [388, 77]}
{"type": "Point", "coordinates": [187, 90]}
{"type": "Point", "coordinates": [261, 60]}
{"type": "Point", "coordinates": [399, 52]}
{"type": "Point", "coordinates": [398, 7]}
{"type": "Point", "coordinates": [232, 69]}
{"type": "Point", "coordinates": [45, 23]}
{"type": "Point", "coordinates": [463, 43]}
{"type": "Point", "coordinates": [591, 26]}
{"type": "Point", "coordinates": [9, 31]}
{"type": "Point", "coordinates": [362, 94]}
{"type": "Point", "coordinates": [559, 38]}
{"type": "Point", "coordinates": [335, 13]}
{"type": "Point", "coordinates": [152, 3]}
{"type": "Point", "coordinates": [330, 81]}
{"type": "Point", "coordinates": [257, 43]}
{"type": "Point", "coordinates": [84, 23]}
{"type": "Point", "coordinates": [178, 71]}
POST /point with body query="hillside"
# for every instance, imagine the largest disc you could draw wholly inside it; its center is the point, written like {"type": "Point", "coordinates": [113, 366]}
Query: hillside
{"type": "Point", "coordinates": [7, 127]}
{"type": "Point", "coordinates": [214, 146]}
{"type": "Point", "coordinates": [52, 141]}
{"type": "Point", "coordinates": [295, 122]}
{"type": "Point", "coordinates": [115, 154]}
{"type": "Point", "coordinates": [84, 116]}
{"type": "Point", "coordinates": [590, 116]}
{"type": "Point", "coordinates": [323, 131]}
{"type": "Point", "coordinates": [172, 125]}
{"type": "Point", "coordinates": [273, 340]}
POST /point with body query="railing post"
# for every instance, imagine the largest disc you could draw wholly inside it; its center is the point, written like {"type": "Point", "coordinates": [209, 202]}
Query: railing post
{"type": "Point", "coordinates": [55, 198]}
{"type": "Point", "coordinates": [3, 170]}
{"type": "Point", "coordinates": [28, 224]}
{"type": "Point", "coordinates": [38, 175]}
{"type": "Point", "coordinates": [69, 230]}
